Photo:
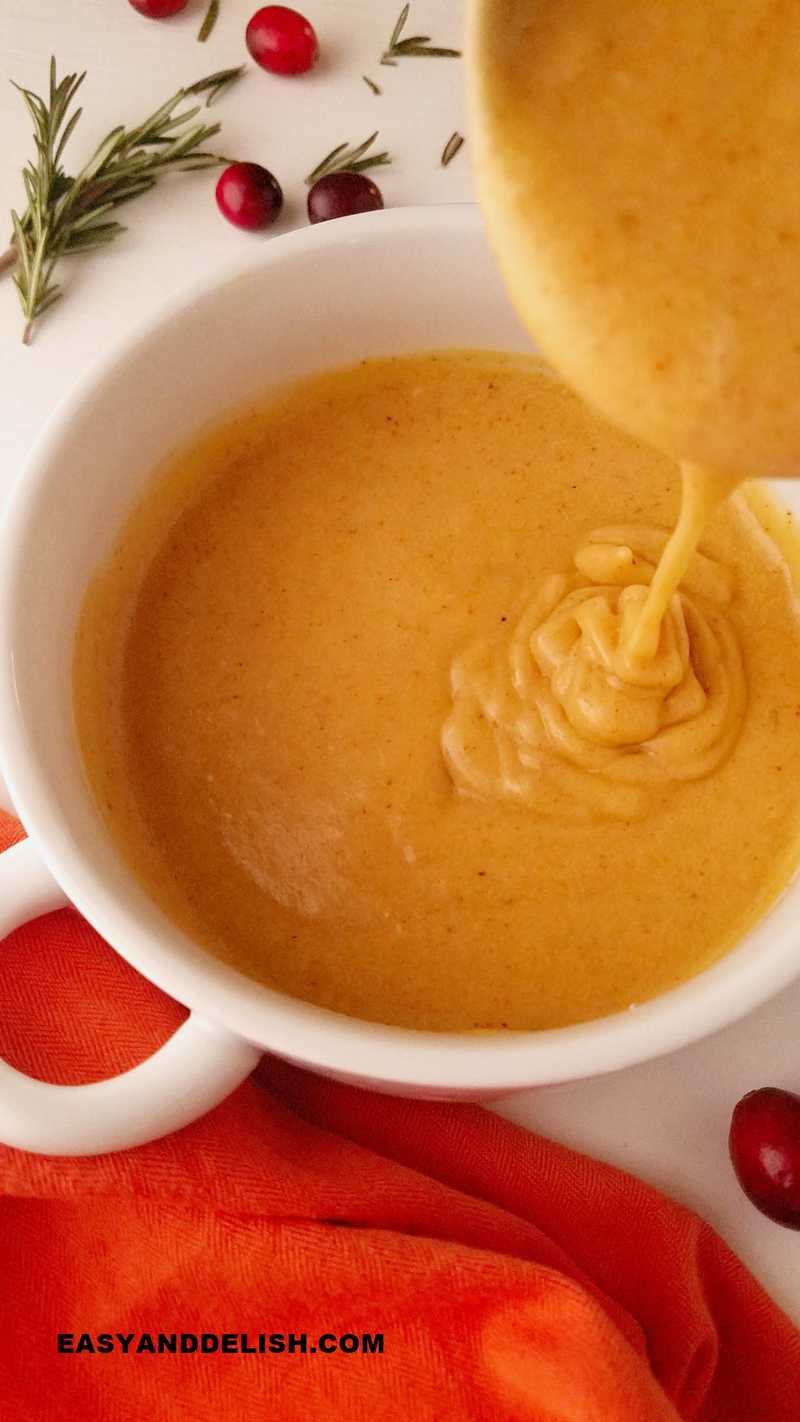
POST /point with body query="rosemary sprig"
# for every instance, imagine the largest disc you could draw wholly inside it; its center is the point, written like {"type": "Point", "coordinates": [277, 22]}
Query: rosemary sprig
{"type": "Point", "coordinates": [344, 159]}
{"type": "Point", "coordinates": [370, 83]}
{"type": "Point", "coordinates": [413, 46]}
{"type": "Point", "coordinates": [454, 142]}
{"type": "Point", "coordinates": [211, 17]}
{"type": "Point", "coordinates": [67, 214]}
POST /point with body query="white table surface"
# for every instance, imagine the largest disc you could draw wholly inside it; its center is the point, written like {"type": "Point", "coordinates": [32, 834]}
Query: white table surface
{"type": "Point", "coordinates": [666, 1120]}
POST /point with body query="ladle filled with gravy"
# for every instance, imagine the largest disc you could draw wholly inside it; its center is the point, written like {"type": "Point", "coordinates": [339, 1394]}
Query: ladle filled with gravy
{"type": "Point", "coordinates": [637, 169]}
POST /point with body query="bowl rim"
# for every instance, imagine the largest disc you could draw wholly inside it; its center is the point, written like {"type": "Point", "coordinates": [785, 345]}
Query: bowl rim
{"type": "Point", "coordinates": [405, 1059]}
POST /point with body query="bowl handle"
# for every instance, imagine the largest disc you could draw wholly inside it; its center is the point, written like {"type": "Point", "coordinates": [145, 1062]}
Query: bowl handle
{"type": "Point", "coordinates": [196, 1068]}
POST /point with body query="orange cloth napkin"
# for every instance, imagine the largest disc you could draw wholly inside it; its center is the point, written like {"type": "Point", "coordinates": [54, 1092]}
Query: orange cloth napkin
{"type": "Point", "coordinates": [510, 1277]}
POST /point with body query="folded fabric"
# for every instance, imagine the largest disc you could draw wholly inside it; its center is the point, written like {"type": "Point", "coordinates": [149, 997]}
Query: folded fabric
{"type": "Point", "coordinates": [509, 1277]}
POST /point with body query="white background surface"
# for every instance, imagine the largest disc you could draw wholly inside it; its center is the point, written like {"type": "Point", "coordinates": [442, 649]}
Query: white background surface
{"type": "Point", "coordinates": [667, 1120]}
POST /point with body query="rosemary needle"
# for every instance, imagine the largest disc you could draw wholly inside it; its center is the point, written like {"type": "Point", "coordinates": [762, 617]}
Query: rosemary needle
{"type": "Point", "coordinates": [216, 84]}
{"type": "Point", "coordinates": [413, 46]}
{"type": "Point", "coordinates": [211, 17]}
{"type": "Point", "coordinates": [343, 159]}
{"type": "Point", "coordinates": [454, 142]}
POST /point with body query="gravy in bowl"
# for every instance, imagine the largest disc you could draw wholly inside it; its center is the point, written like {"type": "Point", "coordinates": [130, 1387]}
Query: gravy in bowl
{"type": "Point", "coordinates": [331, 695]}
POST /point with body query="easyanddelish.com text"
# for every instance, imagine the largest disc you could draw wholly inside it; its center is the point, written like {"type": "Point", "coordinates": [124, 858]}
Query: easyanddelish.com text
{"type": "Point", "coordinates": [139, 1344]}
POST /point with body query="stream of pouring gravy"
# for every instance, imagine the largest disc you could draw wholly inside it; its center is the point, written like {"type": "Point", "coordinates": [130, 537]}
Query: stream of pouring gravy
{"type": "Point", "coordinates": [702, 493]}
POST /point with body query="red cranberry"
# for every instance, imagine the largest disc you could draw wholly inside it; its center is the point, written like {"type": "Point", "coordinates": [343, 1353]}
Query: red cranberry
{"type": "Point", "coordinates": [158, 9]}
{"type": "Point", "coordinates": [281, 40]}
{"type": "Point", "coordinates": [765, 1151]}
{"type": "Point", "coordinates": [342, 194]}
{"type": "Point", "coordinates": [249, 196]}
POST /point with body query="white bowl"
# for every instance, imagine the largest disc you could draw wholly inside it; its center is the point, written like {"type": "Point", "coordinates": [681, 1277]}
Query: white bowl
{"type": "Point", "coordinates": [401, 280]}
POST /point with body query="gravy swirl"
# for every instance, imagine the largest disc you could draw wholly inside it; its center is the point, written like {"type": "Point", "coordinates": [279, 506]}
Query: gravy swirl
{"type": "Point", "coordinates": [557, 713]}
